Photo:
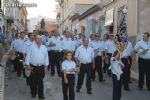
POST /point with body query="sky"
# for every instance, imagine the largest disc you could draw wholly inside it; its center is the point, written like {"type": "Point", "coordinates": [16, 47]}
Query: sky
{"type": "Point", "coordinates": [45, 8]}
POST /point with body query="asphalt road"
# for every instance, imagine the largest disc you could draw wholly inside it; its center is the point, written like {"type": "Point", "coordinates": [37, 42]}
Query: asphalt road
{"type": "Point", "coordinates": [16, 89]}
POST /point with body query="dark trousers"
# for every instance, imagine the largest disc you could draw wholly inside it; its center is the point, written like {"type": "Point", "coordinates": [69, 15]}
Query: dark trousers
{"type": "Point", "coordinates": [50, 57]}
{"type": "Point", "coordinates": [19, 64]}
{"type": "Point", "coordinates": [15, 64]}
{"type": "Point", "coordinates": [126, 72]}
{"type": "Point", "coordinates": [117, 85]}
{"type": "Point", "coordinates": [98, 68]}
{"type": "Point", "coordinates": [36, 81]}
{"type": "Point", "coordinates": [144, 69]}
{"type": "Point", "coordinates": [70, 86]}
{"type": "Point", "coordinates": [107, 65]}
{"type": "Point", "coordinates": [130, 65]}
{"type": "Point", "coordinates": [85, 68]}
{"type": "Point", "coordinates": [55, 62]}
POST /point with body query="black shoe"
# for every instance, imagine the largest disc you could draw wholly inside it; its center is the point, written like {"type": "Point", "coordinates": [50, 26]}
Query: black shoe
{"type": "Point", "coordinates": [130, 82]}
{"type": "Point", "coordinates": [78, 90]}
{"type": "Point", "coordinates": [127, 89]}
{"type": "Point", "coordinates": [41, 97]}
{"type": "Point", "coordinates": [148, 89]}
{"type": "Point", "coordinates": [102, 80]}
{"type": "Point", "coordinates": [89, 92]}
{"type": "Point", "coordinates": [1, 65]}
{"type": "Point", "coordinates": [52, 74]}
{"type": "Point", "coordinates": [33, 96]}
{"type": "Point", "coordinates": [140, 88]}
{"type": "Point", "coordinates": [93, 80]}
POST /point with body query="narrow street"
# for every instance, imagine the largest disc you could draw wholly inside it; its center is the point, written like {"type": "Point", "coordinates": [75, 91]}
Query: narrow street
{"type": "Point", "coordinates": [16, 89]}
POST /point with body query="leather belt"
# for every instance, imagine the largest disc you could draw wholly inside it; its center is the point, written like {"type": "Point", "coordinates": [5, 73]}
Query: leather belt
{"type": "Point", "coordinates": [86, 63]}
{"type": "Point", "coordinates": [36, 65]}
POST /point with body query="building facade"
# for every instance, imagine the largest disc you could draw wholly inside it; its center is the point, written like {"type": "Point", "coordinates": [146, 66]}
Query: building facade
{"type": "Point", "coordinates": [16, 16]}
{"type": "Point", "coordinates": [2, 16]}
{"type": "Point", "coordinates": [69, 8]}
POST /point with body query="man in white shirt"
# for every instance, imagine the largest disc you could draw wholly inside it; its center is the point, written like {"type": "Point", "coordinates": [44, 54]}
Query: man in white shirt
{"type": "Point", "coordinates": [98, 47]}
{"type": "Point", "coordinates": [28, 43]}
{"type": "Point", "coordinates": [125, 58]}
{"type": "Point", "coordinates": [67, 44]}
{"type": "Point", "coordinates": [85, 59]}
{"type": "Point", "coordinates": [54, 43]}
{"type": "Point", "coordinates": [109, 50]}
{"type": "Point", "coordinates": [37, 61]}
{"type": "Point", "coordinates": [143, 49]}
{"type": "Point", "coordinates": [19, 47]}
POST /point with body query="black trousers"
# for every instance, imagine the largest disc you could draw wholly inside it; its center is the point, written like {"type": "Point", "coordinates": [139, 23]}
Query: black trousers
{"type": "Point", "coordinates": [106, 65]}
{"type": "Point", "coordinates": [36, 80]}
{"type": "Point", "coordinates": [130, 65]}
{"type": "Point", "coordinates": [55, 62]}
{"type": "Point", "coordinates": [15, 64]}
{"type": "Point", "coordinates": [117, 86]}
{"type": "Point", "coordinates": [85, 68]}
{"type": "Point", "coordinates": [126, 72]}
{"type": "Point", "coordinates": [144, 70]}
{"type": "Point", "coordinates": [70, 86]}
{"type": "Point", "coordinates": [50, 57]}
{"type": "Point", "coordinates": [98, 68]}
{"type": "Point", "coordinates": [19, 64]}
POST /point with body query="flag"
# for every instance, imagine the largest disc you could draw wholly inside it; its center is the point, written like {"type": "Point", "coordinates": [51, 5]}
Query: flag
{"type": "Point", "coordinates": [121, 38]}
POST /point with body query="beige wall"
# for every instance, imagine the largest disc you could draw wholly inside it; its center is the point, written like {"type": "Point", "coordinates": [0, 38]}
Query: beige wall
{"type": "Point", "coordinates": [69, 8]}
{"type": "Point", "coordinates": [144, 16]}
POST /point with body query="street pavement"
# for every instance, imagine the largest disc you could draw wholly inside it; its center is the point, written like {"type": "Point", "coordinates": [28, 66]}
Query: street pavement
{"type": "Point", "coordinates": [16, 89]}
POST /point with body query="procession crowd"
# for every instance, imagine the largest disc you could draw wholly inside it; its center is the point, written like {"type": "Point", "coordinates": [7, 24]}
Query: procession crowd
{"type": "Point", "coordinates": [70, 53]}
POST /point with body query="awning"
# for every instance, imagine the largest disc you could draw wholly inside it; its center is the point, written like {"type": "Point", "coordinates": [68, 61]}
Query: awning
{"type": "Point", "coordinates": [109, 17]}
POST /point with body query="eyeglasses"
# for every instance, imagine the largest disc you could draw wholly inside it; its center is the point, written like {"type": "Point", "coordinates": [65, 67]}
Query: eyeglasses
{"type": "Point", "coordinates": [96, 36]}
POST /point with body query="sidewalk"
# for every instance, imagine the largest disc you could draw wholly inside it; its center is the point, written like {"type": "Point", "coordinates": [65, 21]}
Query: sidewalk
{"type": "Point", "coordinates": [2, 75]}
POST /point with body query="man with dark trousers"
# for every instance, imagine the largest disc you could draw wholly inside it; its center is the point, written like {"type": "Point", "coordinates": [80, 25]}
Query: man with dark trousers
{"type": "Point", "coordinates": [37, 61]}
{"type": "Point", "coordinates": [85, 60]}
{"type": "Point", "coordinates": [98, 47]}
{"type": "Point", "coordinates": [109, 50]}
{"type": "Point", "coordinates": [54, 44]}
{"type": "Point", "coordinates": [125, 55]}
{"type": "Point", "coordinates": [19, 46]}
{"type": "Point", "coordinates": [143, 49]}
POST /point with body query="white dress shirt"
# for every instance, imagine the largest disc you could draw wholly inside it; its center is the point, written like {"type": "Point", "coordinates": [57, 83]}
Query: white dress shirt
{"type": "Point", "coordinates": [84, 55]}
{"type": "Point", "coordinates": [116, 68]}
{"type": "Point", "coordinates": [12, 46]}
{"type": "Point", "coordinates": [37, 55]}
{"type": "Point", "coordinates": [68, 65]}
{"type": "Point", "coordinates": [128, 51]}
{"type": "Point", "coordinates": [28, 43]}
{"type": "Point", "coordinates": [68, 44]}
{"type": "Point", "coordinates": [55, 40]}
{"type": "Point", "coordinates": [110, 46]}
{"type": "Point", "coordinates": [19, 45]}
{"type": "Point", "coordinates": [98, 45]}
{"type": "Point", "coordinates": [143, 45]}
